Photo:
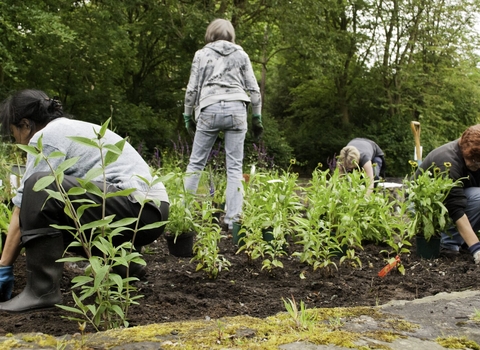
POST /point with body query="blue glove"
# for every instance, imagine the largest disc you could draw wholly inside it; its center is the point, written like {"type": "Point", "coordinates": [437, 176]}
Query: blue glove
{"type": "Point", "coordinates": [257, 127]}
{"type": "Point", "coordinates": [6, 282]}
{"type": "Point", "coordinates": [475, 250]}
{"type": "Point", "coordinates": [189, 124]}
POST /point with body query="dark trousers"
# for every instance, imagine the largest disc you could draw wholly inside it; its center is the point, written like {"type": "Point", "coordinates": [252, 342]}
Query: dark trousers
{"type": "Point", "coordinates": [37, 214]}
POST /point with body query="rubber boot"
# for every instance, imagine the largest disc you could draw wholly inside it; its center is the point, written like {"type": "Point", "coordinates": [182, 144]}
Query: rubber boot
{"type": "Point", "coordinates": [43, 276]}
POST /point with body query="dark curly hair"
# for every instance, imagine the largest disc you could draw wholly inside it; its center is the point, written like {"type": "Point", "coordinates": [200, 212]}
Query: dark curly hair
{"type": "Point", "coordinates": [470, 143]}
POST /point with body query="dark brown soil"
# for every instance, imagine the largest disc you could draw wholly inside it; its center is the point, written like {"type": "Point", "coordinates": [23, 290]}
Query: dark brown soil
{"type": "Point", "coordinates": [173, 291]}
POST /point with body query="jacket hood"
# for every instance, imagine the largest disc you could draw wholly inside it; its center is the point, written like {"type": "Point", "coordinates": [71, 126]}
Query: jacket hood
{"type": "Point", "coordinates": [223, 47]}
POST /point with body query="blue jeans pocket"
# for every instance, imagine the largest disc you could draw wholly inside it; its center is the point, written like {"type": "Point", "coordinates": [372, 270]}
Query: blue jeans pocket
{"type": "Point", "coordinates": [205, 121]}
{"type": "Point", "coordinates": [239, 121]}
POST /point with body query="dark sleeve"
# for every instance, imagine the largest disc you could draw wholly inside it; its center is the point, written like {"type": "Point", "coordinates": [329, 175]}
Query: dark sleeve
{"type": "Point", "coordinates": [456, 202]}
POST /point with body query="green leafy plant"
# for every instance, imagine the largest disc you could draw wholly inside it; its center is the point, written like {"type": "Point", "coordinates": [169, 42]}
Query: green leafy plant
{"type": "Point", "coordinates": [314, 231]}
{"type": "Point", "coordinates": [302, 317]}
{"type": "Point", "coordinates": [112, 295]}
{"type": "Point", "coordinates": [12, 161]}
{"type": "Point", "coordinates": [345, 212]}
{"type": "Point", "coordinates": [334, 216]}
{"type": "Point", "coordinates": [5, 216]}
{"type": "Point", "coordinates": [380, 217]}
{"type": "Point", "coordinates": [182, 203]}
{"type": "Point", "coordinates": [425, 194]}
{"type": "Point", "coordinates": [319, 246]}
{"type": "Point", "coordinates": [206, 250]}
{"type": "Point", "coordinates": [272, 207]}
{"type": "Point", "coordinates": [402, 231]}
{"type": "Point", "coordinates": [218, 185]}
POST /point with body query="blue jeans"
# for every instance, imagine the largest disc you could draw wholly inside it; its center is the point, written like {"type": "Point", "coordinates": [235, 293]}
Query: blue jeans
{"type": "Point", "coordinates": [379, 162]}
{"type": "Point", "coordinates": [452, 239]}
{"type": "Point", "coordinates": [231, 118]}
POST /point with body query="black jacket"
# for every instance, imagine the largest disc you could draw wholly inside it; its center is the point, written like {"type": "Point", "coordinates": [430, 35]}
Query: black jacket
{"type": "Point", "coordinates": [456, 201]}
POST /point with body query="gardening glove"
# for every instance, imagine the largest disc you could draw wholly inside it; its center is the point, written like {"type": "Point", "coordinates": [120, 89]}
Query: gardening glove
{"type": "Point", "coordinates": [257, 126]}
{"type": "Point", "coordinates": [189, 124]}
{"type": "Point", "coordinates": [475, 250]}
{"type": "Point", "coordinates": [6, 282]}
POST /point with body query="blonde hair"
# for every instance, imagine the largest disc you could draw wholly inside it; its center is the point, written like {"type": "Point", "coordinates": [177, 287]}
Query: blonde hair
{"type": "Point", "coordinates": [348, 159]}
{"type": "Point", "coordinates": [220, 29]}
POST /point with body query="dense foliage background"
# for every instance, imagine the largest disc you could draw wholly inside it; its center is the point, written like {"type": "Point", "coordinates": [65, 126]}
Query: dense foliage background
{"type": "Point", "coordinates": [329, 70]}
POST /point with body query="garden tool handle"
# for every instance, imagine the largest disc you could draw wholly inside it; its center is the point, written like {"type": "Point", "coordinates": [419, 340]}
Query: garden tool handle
{"type": "Point", "coordinates": [416, 135]}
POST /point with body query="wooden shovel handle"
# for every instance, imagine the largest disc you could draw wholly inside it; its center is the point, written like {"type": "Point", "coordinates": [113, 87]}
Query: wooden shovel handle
{"type": "Point", "coordinates": [416, 135]}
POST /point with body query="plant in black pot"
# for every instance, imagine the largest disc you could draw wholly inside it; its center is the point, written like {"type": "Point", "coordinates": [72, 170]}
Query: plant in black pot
{"type": "Point", "coordinates": [180, 228]}
{"type": "Point", "coordinates": [206, 248]}
{"type": "Point", "coordinates": [425, 194]}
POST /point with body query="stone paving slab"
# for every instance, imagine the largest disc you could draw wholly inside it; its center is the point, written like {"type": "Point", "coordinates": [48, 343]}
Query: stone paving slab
{"type": "Point", "coordinates": [399, 344]}
{"type": "Point", "coordinates": [442, 315]}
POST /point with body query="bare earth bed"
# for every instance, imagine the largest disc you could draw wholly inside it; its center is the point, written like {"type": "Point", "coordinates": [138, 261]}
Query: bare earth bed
{"type": "Point", "coordinates": [174, 291]}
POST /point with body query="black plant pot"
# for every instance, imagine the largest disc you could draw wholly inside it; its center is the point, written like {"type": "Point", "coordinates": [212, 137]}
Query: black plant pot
{"type": "Point", "coordinates": [342, 252]}
{"type": "Point", "coordinates": [236, 235]}
{"type": "Point", "coordinates": [428, 249]}
{"type": "Point", "coordinates": [219, 212]}
{"type": "Point", "coordinates": [267, 235]}
{"type": "Point", "coordinates": [182, 246]}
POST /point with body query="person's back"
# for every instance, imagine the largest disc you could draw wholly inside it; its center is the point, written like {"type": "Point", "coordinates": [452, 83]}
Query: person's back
{"type": "Point", "coordinates": [223, 77]}
{"type": "Point", "coordinates": [221, 86]}
{"type": "Point", "coordinates": [123, 172]}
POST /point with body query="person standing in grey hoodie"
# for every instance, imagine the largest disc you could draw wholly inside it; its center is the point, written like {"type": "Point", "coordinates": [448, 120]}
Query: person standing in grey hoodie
{"type": "Point", "coordinates": [221, 86]}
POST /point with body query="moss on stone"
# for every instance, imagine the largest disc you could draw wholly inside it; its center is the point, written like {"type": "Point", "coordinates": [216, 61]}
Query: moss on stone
{"type": "Point", "coordinates": [457, 343]}
{"type": "Point", "coordinates": [244, 332]}
{"type": "Point", "coordinates": [9, 344]}
{"type": "Point", "coordinates": [402, 325]}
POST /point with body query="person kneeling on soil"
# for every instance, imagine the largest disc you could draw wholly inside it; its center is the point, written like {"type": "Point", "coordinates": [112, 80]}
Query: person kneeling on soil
{"type": "Point", "coordinates": [363, 153]}
{"type": "Point", "coordinates": [462, 203]}
{"type": "Point", "coordinates": [29, 115]}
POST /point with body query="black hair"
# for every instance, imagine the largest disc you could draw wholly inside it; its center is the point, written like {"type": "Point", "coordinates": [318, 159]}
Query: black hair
{"type": "Point", "coordinates": [34, 105]}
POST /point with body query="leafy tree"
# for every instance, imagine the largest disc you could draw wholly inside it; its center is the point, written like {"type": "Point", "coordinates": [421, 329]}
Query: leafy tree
{"type": "Point", "coordinates": [328, 70]}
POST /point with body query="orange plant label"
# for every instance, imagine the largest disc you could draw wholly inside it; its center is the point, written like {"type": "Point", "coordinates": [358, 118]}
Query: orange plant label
{"type": "Point", "coordinates": [394, 262]}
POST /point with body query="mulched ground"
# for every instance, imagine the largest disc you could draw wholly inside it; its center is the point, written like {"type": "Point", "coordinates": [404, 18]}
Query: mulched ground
{"type": "Point", "coordinates": [174, 291]}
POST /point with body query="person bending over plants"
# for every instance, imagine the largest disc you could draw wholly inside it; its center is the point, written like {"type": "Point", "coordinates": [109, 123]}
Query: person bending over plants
{"type": "Point", "coordinates": [362, 153]}
{"type": "Point", "coordinates": [463, 203]}
{"type": "Point", "coordinates": [37, 120]}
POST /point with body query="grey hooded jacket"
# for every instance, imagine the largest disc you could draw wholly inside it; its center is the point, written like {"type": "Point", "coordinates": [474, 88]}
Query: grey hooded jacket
{"type": "Point", "coordinates": [221, 71]}
{"type": "Point", "coordinates": [123, 173]}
